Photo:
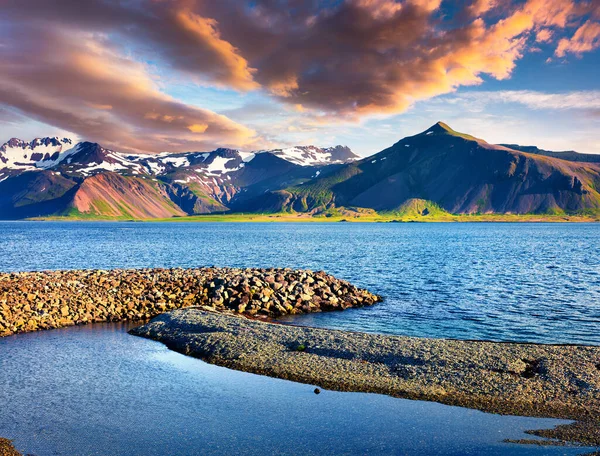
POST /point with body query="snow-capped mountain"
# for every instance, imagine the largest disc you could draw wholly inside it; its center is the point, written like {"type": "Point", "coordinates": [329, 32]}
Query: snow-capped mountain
{"type": "Point", "coordinates": [41, 153]}
{"type": "Point", "coordinates": [314, 156]}
{"type": "Point", "coordinates": [216, 163]}
{"type": "Point", "coordinates": [55, 176]}
{"type": "Point", "coordinates": [88, 158]}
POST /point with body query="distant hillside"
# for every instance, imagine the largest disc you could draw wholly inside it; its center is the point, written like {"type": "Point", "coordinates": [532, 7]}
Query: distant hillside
{"type": "Point", "coordinates": [55, 177]}
{"type": "Point", "coordinates": [570, 155]}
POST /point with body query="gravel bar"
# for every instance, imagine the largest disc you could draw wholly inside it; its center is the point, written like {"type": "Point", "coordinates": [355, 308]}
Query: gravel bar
{"type": "Point", "coordinates": [7, 448]}
{"type": "Point", "coordinates": [557, 381]}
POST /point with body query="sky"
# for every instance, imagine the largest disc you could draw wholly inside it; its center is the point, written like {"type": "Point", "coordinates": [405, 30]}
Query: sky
{"type": "Point", "coordinates": [194, 75]}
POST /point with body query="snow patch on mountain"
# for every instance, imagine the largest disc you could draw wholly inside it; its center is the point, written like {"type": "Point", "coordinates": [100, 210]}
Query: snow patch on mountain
{"type": "Point", "coordinates": [104, 166]}
{"type": "Point", "coordinates": [247, 156]}
{"type": "Point", "coordinates": [177, 161]}
{"type": "Point", "coordinates": [41, 153]}
{"type": "Point", "coordinates": [155, 167]}
{"type": "Point", "coordinates": [314, 156]}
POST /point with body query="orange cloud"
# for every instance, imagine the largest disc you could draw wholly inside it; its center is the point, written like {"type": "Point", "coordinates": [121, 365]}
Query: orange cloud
{"type": "Point", "coordinates": [198, 128]}
{"type": "Point", "coordinates": [480, 7]}
{"type": "Point", "coordinates": [586, 38]}
{"type": "Point", "coordinates": [543, 36]}
{"type": "Point", "coordinates": [364, 57]}
{"type": "Point", "coordinates": [338, 60]}
{"type": "Point", "coordinates": [100, 106]}
{"type": "Point", "coordinates": [380, 56]}
{"type": "Point", "coordinates": [170, 30]}
{"type": "Point", "coordinates": [204, 33]}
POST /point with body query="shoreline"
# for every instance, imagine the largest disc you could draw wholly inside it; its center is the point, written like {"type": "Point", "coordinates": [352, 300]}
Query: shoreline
{"type": "Point", "coordinates": [546, 381]}
{"type": "Point", "coordinates": [295, 394]}
{"type": "Point", "coordinates": [352, 217]}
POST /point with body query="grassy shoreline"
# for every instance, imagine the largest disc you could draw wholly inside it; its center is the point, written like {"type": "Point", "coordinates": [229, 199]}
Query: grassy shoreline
{"type": "Point", "coordinates": [361, 218]}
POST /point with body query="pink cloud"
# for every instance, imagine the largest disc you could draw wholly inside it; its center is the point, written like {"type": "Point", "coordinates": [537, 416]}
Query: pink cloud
{"type": "Point", "coordinates": [81, 84]}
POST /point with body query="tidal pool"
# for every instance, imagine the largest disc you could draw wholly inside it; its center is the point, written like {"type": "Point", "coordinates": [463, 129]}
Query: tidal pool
{"type": "Point", "coordinates": [95, 390]}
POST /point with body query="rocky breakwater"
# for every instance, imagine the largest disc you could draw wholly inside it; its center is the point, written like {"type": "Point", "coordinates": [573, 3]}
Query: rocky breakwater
{"type": "Point", "coordinates": [7, 448]}
{"type": "Point", "coordinates": [31, 301]}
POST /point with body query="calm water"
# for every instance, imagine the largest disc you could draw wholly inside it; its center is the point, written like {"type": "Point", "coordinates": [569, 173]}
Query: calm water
{"type": "Point", "coordinates": [95, 390]}
{"type": "Point", "coordinates": [521, 282]}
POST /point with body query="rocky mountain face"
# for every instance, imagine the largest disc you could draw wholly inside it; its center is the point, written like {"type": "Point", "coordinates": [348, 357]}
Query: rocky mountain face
{"type": "Point", "coordinates": [439, 169]}
{"type": "Point", "coordinates": [52, 176]}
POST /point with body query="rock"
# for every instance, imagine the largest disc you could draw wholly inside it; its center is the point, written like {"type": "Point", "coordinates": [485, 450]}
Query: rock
{"type": "Point", "coordinates": [40, 300]}
{"type": "Point", "coordinates": [7, 448]}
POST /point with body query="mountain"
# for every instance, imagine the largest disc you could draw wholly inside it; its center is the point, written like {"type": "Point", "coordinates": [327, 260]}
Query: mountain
{"type": "Point", "coordinates": [311, 155]}
{"type": "Point", "coordinates": [54, 177]}
{"type": "Point", "coordinates": [438, 171]}
{"type": "Point", "coordinates": [457, 172]}
{"type": "Point", "coordinates": [41, 153]}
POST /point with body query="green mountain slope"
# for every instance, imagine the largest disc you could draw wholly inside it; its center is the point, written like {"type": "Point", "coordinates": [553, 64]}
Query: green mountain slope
{"type": "Point", "coordinates": [458, 172]}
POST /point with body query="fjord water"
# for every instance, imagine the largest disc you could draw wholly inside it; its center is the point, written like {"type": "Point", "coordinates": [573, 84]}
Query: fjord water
{"type": "Point", "coordinates": [95, 390]}
{"type": "Point", "coordinates": [499, 281]}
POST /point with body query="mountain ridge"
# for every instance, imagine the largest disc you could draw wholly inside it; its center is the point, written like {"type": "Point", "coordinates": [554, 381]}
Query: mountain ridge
{"type": "Point", "coordinates": [438, 170]}
{"type": "Point", "coordinates": [18, 154]}
{"type": "Point", "coordinates": [460, 173]}
{"type": "Point", "coordinates": [194, 182]}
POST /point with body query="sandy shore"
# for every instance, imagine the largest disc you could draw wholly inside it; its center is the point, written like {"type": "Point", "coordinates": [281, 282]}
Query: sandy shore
{"type": "Point", "coordinates": [558, 381]}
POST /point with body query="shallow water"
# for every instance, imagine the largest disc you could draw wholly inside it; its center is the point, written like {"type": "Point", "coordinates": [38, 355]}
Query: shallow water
{"type": "Point", "coordinates": [95, 390]}
{"type": "Point", "coordinates": [498, 281]}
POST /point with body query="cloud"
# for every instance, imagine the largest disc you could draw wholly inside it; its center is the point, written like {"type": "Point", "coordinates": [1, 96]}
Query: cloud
{"type": "Point", "coordinates": [586, 100]}
{"type": "Point", "coordinates": [586, 38]}
{"type": "Point", "coordinates": [480, 7]}
{"type": "Point", "coordinates": [78, 82]}
{"type": "Point", "coordinates": [89, 69]}
{"type": "Point", "coordinates": [169, 29]}
{"type": "Point", "coordinates": [543, 36]}
{"type": "Point", "coordinates": [357, 58]}
{"type": "Point", "coordinates": [228, 66]}
{"type": "Point", "coordinates": [8, 116]}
